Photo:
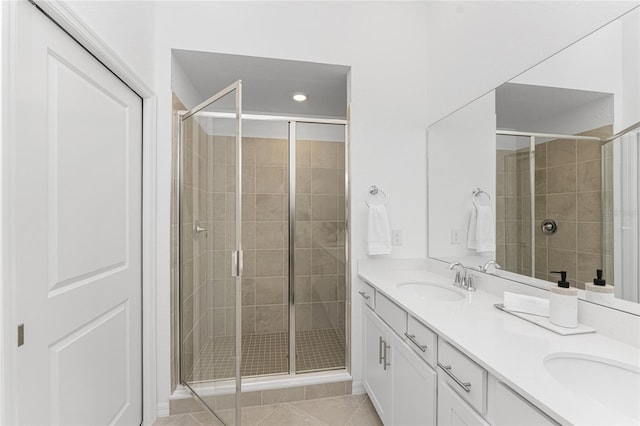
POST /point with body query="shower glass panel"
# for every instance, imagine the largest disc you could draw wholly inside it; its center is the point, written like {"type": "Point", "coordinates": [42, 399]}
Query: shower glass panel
{"type": "Point", "coordinates": [319, 240]}
{"type": "Point", "coordinates": [210, 234]}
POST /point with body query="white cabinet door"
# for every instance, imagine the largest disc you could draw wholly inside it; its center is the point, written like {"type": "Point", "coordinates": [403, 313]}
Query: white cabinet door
{"type": "Point", "coordinates": [453, 411]}
{"type": "Point", "coordinates": [76, 186]}
{"type": "Point", "coordinates": [511, 409]}
{"type": "Point", "coordinates": [413, 387]}
{"type": "Point", "coordinates": [377, 378]}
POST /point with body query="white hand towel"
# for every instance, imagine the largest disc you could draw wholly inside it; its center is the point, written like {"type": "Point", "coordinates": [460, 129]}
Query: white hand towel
{"type": "Point", "coordinates": [379, 234]}
{"type": "Point", "coordinates": [527, 304]}
{"type": "Point", "coordinates": [485, 230]}
{"type": "Point", "coordinates": [471, 231]}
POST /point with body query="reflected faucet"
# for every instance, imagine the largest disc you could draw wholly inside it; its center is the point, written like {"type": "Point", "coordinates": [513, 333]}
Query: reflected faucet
{"type": "Point", "coordinates": [495, 264]}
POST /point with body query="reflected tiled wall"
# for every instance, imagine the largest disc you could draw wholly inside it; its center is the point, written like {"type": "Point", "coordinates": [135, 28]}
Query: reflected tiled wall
{"type": "Point", "coordinates": [568, 180]}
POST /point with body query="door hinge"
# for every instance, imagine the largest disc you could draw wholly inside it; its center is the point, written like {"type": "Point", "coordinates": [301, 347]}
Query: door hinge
{"type": "Point", "coordinates": [20, 335]}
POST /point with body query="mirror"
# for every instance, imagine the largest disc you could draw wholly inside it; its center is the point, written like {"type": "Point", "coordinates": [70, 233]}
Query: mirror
{"type": "Point", "coordinates": [541, 174]}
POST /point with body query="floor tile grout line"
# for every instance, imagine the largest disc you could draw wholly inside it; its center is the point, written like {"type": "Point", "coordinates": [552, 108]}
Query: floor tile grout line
{"type": "Point", "coordinates": [276, 406]}
{"type": "Point", "coordinates": [356, 410]}
{"type": "Point", "coordinates": [307, 414]}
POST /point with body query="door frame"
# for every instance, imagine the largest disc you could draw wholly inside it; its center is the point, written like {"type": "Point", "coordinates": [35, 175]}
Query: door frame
{"type": "Point", "coordinates": [70, 22]}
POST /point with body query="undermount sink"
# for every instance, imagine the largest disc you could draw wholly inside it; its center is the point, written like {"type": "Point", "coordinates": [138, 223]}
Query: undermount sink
{"type": "Point", "coordinates": [611, 383]}
{"type": "Point", "coordinates": [430, 292]}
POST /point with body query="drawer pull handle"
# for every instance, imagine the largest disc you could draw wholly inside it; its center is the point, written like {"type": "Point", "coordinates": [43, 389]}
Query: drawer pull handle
{"type": "Point", "coordinates": [412, 338]}
{"type": "Point", "coordinates": [380, 350]}
{"type": "Point", "coordinates": [447, 369]}
{"type": "Point", "coordinates": [386, 364]}
{"type": "Point", "coordinates": [363, 294]}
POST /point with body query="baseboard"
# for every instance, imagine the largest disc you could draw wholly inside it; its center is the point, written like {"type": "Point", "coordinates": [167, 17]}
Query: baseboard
{"type": "Point", "coordinates": [162, 409]}
{"type": "Point", "coordinates": [357, 388]}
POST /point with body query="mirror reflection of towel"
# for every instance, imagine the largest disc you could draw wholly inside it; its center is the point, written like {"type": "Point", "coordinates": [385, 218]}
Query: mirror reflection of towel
{"type": "Point", "coordinates": [481, 235]}
{"type": "Point", "coordinates": [379, 232]}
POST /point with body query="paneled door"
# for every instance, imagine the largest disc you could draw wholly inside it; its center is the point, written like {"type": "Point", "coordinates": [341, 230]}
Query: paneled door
{"type": "Point", "coordinates": [76, 214]}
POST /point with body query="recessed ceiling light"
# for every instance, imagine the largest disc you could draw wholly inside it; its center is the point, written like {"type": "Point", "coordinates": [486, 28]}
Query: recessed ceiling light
{"type": "Point", "coordinates": [299, 97]}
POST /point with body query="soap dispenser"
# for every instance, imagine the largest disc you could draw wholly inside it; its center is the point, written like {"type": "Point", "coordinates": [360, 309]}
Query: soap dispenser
{"type": "Point", "coordinates": [599, 291]}
{"type": "Point", "coordinates": [563, 303]}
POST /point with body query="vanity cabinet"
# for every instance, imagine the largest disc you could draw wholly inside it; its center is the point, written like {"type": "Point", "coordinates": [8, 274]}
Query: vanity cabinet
{"type": "Point", "coordinates": [453, 410]}
{"type": "Point", "coordinates": [400, 384]}
{"type": "Point", "coordinates": [409, 371]}
{"type": "Point", "coordinates": [511, 409]}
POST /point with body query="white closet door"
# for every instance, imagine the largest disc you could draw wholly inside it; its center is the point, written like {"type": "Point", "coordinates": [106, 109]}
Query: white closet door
{"type": "Point", "coordinates": [77, 219]}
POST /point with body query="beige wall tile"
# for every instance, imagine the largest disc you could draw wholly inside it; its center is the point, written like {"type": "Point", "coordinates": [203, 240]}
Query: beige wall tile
{"type": "Point", "coordinates": [303, 261]}
{"type": "Point", "coordinates": [271, 291]}
{"type": "Point", "coordinates": [269, 263]}
{"type": "Point", "coordinates": [270, 319]}
{"type": "Point", "coordinates": [562, 207]}
{"type": "Point", "coordinates": [324, 181]}
{"type": "Point", "coordinates": [303, 180]}
{"type": "Point", "coordinates": [324, 315]}
{"type": "Point", "coordinates": [590, 237]}
{"type": "Point", "coordinates": [248, 319]}
{"type": "Point", "coordinates": [248, 291]}
{"type": "Point", "coordinates": [248, 179]}
{"type": "Point", "coordinates": [303, 234]}
{"type": "Point", "coordinates": [324, 154]}
{"type": "Point", "coordinates": [541, 156]}
{"type": "Point", "coordinates": [270, 235]}
{"type": "Point", "coordinates": [324, 207]}
{"type": "Point", "coordinates": [270, 180]}
{"type": "Point", "coordinates": [564, 237]}
{"type": "Point", "coordinates": [324, 261]}
{"type": "Point", "coordinates": [249, 207]}
{"type": "Point", "coordinates": [248, 151]}
{"type": "Point", "coordinates": [303, 153]}
{"type": "Point", "coordinates": [589, 176]}
{"type": "Point", "coordinates": [589, 208]}
{"type": "Point", "coordinates": [561, 151]}
{"type": "Point", "coordinates": [324, 288]}
{"type": "Point", "coordinates": [588, 263]}
{"type": "Point", "coordinates": [561, 179]}
{"type": "Point", "coordinates": [588, 150]}
{"type": "Point", "coordinates": [270, 207]}
{"type": "Point", "coordinates": [303, 316]}
{"type": "Point", "coordinates": [271, 152]}
{"type": "Point", "coordinates": [303, 207]}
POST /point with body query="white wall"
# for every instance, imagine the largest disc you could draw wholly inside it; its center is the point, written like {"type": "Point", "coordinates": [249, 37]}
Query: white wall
{"type": "Point", "coordinates": [127, 27]}
{"type": "Point", "coordinates": [462, 156]}
{"type": "Point", "coordinates": [385, 45]}
{"type": "Point", "coordinates": [474, 47]}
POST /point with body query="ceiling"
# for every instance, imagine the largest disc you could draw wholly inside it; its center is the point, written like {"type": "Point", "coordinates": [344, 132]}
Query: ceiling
{"type": "Point", "coordinates": [523, 106]}
{"type": "Point", "coordinates": [269, 84]}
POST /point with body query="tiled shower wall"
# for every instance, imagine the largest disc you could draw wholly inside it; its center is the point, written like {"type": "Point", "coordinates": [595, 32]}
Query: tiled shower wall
{"type": "Point", "coordinates": [320, 235]}
{"type": "Point", "coordinates": [568, 190]}
{"type": "Point", "coordinates": [320, 280]}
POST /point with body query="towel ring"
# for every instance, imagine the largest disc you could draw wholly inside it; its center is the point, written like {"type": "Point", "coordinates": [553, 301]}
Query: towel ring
{"type": "Point", "coordinates": [477, 192]}
{"type": "Point", "coordinates": [371, 196]}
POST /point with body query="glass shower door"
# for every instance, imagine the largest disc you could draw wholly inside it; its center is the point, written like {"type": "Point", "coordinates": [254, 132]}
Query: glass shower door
{"type": "Point", "coordinates": [210, 252]}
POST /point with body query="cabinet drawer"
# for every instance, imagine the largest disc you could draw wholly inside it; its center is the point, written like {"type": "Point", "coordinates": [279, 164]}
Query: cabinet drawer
{"type": "Point", "coordinates": [368, 294]}
{"type": "Point", "coordinates": [465, 376]}
{"type": "Point", "coordinates": [391, 313]}
{"type": "Point", "coordinates": [422, 340]}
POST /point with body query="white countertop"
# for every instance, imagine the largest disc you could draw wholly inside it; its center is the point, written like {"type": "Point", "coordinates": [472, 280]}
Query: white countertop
{"type": "Point", "coordinates": [510, 348]}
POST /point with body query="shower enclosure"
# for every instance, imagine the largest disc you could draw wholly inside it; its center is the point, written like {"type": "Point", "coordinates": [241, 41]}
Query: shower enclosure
{"type": "Point", "coordinates": [263, 248]}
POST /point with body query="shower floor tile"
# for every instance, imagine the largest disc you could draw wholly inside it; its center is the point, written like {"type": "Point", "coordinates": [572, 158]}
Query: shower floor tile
{"type": "Point", "coordinates": [265, 354]}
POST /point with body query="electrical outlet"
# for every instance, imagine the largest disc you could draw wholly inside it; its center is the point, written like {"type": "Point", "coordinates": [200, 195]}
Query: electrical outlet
{"type": "Point", "coordinates": [396, 237]}
{"type": "Point", "coordinates": [456, 238]}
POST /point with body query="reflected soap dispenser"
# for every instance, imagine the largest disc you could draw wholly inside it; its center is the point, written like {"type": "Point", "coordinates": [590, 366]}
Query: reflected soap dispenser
{"type": "Point", "coordinates": [599, 291]}
{"type": "Point", "coordinates": [563, 303]}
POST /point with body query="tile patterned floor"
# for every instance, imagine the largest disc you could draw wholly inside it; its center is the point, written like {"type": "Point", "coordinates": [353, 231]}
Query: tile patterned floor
{"type": "Point", "coordinates": [264, 354]}
{"type": "Point", "coordinates": [351, 410]}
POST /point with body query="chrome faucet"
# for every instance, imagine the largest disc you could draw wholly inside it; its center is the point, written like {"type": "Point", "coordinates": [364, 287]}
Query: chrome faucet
{"type": "Point", "coordinates": [495, 264]}
{"type": "Point", "coordinates": [463, 278]}
{"type": "Point", "coordinates": [461, 273]}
